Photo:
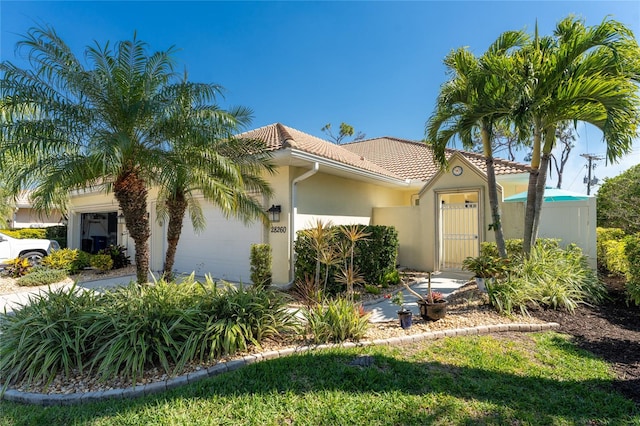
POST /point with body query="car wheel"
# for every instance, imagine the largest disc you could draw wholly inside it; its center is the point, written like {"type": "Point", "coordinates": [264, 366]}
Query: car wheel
{"type": "Point", "coordinates": [34, 257]}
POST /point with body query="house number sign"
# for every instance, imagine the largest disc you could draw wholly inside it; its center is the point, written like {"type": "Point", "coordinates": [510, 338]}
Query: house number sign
{"type": "Point", "coordinates": [278, 229]}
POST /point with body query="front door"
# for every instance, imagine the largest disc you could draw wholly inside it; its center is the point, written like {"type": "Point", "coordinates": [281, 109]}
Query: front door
{"type": "Point", "coordinates": [458, 227]}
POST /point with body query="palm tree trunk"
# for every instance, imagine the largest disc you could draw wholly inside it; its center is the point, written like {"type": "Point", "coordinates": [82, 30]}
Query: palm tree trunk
{"type": "Point", "coordinates": [131, 192]}
{"type": "Point", "coordinates": [493, 191]}
{"type": "Point", "coordinates": [495, 207]}
{"type": "Point", "coordinates": [530, 208]}
{"type": "Point", "coordinates": [176, 207]}
{"type": "Point", "coordinates": [540, 186]}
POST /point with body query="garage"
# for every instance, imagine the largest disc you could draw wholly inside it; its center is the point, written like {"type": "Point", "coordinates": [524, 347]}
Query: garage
{"type": "Point", "coordinates": [222, 249]}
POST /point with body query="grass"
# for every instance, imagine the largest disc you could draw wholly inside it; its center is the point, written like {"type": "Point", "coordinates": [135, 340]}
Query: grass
{"type": "Point", "coordinates": [541, 379]}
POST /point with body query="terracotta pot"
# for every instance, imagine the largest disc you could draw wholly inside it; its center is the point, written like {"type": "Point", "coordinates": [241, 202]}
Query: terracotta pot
{"type": "Point", "coordinates": [432, 311]}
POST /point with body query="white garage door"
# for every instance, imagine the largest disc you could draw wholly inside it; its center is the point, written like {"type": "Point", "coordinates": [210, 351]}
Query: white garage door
{"type": "Point", "coordinates": [222, 249]}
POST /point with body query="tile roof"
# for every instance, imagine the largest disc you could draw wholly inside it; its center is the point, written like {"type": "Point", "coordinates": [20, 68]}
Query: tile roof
{"type": "Point", "coordinates": [387, 156]}
{"type": "Point", "coordinates": [414, 160]}
{"type": "Point", "coordinates": [278, 136]}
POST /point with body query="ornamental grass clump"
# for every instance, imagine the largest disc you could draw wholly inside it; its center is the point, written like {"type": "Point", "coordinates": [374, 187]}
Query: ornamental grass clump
{"type": "Point", "coordinates": [129, 329]}
{"type": "Point", "coordinates": [336, 320]}
{"type": "Point", "coordinates": [46, 336]}
{"type": "Point", "coordinates": [551, 277]}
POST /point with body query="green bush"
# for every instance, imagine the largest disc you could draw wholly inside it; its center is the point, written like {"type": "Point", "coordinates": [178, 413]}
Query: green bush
{"type": "Point", "coordinates": [632, 252]}
{"type": "Point", "coordinates": [46, 336]}
{"type": "Point", "coordinates": [336, 321]}
{"type": "Point", "coordinates": [392, 278]}
{"type": "Point", "coordinates": [372, 289]}
{"type": "Point", "coordinates": [551, 277]}
{"type": "Point", "coordinates": [609, 247]}
{"type": "Point", "coordinates": [614, 260]}
{"type": "Point", "coordinates": [118, 255]}
{"type": "Point", "coordinates": [510, 294]}
{"type": "Point", "coordinates": [514, 247]}
{"type": "Point", "coordinates": [103, 262]}
{"type": "Point", "coordinates": [70, 260]}
{"type": "Point", "coordinates": [127, 329]}
{"type": "Point", "coordinates": [40, 275]}
{"type": "Point", "coordinates": [58, 233]}
{"type": "Point", "coordinates": [170, 323]}
{"type": "Point", "coordinates": [374, 256]}
{"type": "Point", "coordinates": [261, 265]}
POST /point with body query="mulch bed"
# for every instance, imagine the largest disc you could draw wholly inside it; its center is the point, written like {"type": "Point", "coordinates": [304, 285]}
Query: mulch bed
{"type": "Point", "coordinates": [611, 331]}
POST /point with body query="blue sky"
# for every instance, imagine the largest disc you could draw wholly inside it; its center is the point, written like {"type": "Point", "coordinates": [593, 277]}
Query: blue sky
{"type": "Point", "coordinates": [375, 65]}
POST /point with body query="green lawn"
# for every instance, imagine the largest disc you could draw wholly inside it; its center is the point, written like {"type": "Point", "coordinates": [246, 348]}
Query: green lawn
{"type": "Point", "coordinates": [542, 379]}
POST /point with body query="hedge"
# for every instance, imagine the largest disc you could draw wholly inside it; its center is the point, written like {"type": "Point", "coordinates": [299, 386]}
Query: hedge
{"type": "Point", "coordinates": [375, 256]}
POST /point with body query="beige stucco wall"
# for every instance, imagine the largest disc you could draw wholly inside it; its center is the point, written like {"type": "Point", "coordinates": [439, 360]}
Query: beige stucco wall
{"type": "Point", "coordinates": [29, 218]}
{"type": "Point", "coordinates": [279, 241]}
{"type": "Point", "coordinates": [411, 232]}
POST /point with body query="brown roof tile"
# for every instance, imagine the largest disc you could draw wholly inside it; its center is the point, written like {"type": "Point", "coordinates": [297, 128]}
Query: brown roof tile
{"type": "Point", "coordinates": [278, 136]}
{"type": "Point", "coordinates": [414, 160]}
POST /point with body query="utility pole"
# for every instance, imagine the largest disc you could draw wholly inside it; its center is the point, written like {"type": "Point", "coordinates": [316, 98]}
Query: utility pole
{"type": "Point", "coordinates": [588, 180]}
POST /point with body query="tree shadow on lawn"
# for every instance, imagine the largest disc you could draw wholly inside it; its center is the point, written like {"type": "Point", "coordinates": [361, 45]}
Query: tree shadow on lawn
{"type": "Point", "coordinates": [285, 388]}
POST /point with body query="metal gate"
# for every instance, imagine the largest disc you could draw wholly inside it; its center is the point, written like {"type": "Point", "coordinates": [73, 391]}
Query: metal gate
{"type": "Point", "coordinates": [458, 234]}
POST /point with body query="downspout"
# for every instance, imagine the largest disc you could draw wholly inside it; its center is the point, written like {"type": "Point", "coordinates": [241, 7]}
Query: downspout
{"type": "Point", "coordinates": [292, 219]}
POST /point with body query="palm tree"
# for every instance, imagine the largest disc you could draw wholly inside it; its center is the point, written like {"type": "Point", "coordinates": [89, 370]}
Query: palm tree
{"type": "Point", "coordinates": [578, 74]}
{"type": "Point", "coordinates": [70, 127]}
{"type": "Point", "coordinates": [476, 98]}
{"type": "Point", "coordinates": [207, 159]}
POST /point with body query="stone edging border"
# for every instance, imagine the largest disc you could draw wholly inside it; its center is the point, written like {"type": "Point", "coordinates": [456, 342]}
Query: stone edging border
{"type": "Point", "coordinates": [225, 366]}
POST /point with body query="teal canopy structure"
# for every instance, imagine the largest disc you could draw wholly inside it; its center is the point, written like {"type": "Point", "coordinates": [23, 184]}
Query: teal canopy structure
{"type": "Point", "coordinates": [550, 195]}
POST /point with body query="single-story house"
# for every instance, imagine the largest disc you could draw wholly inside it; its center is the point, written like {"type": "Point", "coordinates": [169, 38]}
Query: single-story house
{"type": "Point", "coordinates": [25, 216]}
{"type": "Point", "coordinates": [441, 215]}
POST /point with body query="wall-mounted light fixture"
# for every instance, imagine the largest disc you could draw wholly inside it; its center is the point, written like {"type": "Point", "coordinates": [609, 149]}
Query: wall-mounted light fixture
{"type": "Point", "coordinates": [274, 213]}
{"type": "Point", "coordinates": [121, 218]}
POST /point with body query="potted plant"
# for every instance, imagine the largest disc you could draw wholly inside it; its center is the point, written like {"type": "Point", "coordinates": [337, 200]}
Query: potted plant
{"type": "Point", "coordinates": [404, 314]}
{"type": "Point", "coordinates": [433, 306]}
{"type": "Point", "coordinates": [485, 267]}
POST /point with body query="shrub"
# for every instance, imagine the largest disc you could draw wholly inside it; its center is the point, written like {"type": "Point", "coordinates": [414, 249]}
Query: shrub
{"type": "Point", "coordinates": [336, 321]}
{"type": "Point", "coordinates": [46, 336]}
{"type": "Point", "coordinates": [632, 252]}
{"type": "Point", "coordinates": [42, 276]}
{"type": "Point", "coordinates": [614, 260]}
{"type": "Point", "coordinates": [509, 294]}
{"type": "Point", "coordinates": [261, 265]}
{"type": "Point", "coordinates": [70, 260]}
{"type": "Point", "coordinates": [118, 255]}
{"type": "Point", "coordinates": [374, 256]}
{"type": "Point", "coordinates": [392, 278]}
{"type": "Point", "coordinates": [17, 267]}
{"type": "Point", "coordinates": [609, 244]}
{"type": "Point", "coordinates": [372, 289]}
{"type": "Point", "coordinates": [551, 277]}
{"type": "Point", "coordinates": [103, 262]}
{"type": "Point", "coordinates": [58, 233]}
{"type": "Point", "coordinates": [170, 323]}
{"type": "Point", "coordinates": [127, 329]}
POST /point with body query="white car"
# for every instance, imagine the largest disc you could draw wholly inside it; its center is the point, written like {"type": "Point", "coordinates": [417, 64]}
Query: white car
{"type": "Point", "coordinates": [33, 249]}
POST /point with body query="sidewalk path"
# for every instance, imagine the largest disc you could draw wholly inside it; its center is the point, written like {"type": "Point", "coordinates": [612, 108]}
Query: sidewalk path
{"type": "Point", "coordinates": [445, 282]}
{"type": "Point", "coordinates": [11, 301]}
